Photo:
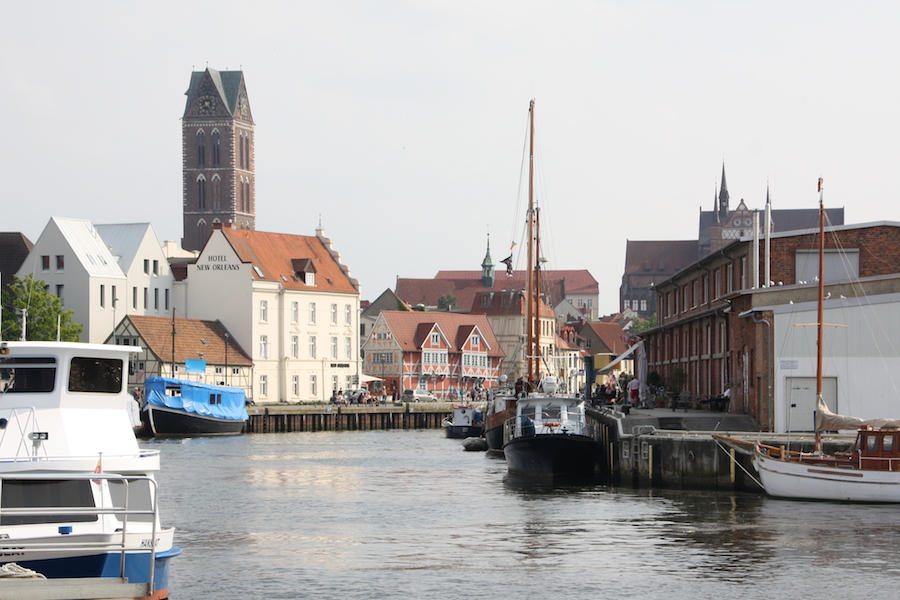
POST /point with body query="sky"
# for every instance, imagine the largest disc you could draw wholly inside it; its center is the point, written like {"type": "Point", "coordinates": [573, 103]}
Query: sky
{"type": "Point", "coordinates": [400, 125]}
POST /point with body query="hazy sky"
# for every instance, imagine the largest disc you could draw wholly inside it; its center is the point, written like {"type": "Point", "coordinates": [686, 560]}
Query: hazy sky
{"type": "Point", "coordinates": [401, 124]}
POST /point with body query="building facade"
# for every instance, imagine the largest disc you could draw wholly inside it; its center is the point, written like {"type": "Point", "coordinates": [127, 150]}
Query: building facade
{"type": "Point", "coordinates": [448, 354]}
{"type": "Point", "coordinates": [218, 164]}
{"type": "Point", "coordinates": [289, 301]}
{"type": "Point", "coordinates": [102, 272]}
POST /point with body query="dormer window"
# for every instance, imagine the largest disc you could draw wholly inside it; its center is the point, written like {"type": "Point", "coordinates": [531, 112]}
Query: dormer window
{"type": "Point", "coordinates": [304, 270]}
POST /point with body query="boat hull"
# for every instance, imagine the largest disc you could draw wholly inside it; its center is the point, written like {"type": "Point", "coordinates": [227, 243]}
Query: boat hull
{"type": "Point", "coordinates": [808, 481]}
{"type": "Point", "coordinates": [553, 455]}
{"type": "Point", "coordinates": [168, 422]}
{"type": "Point", "coordinates": [493, 429]}
{"type": "Point", "coordinates": [463, 431]}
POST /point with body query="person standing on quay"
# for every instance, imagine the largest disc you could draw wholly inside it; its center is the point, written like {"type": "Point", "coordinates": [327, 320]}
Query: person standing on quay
{"type": "Point", "coordinates": [634, 391]}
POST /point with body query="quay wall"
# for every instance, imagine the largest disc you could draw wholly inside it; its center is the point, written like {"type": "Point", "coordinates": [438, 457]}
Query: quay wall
{"type": "Point", "coordinates": [287, 418]}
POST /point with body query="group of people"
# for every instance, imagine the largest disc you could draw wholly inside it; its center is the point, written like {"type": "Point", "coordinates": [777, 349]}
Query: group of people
{"type": "Point", "coordinates": [352, 397]}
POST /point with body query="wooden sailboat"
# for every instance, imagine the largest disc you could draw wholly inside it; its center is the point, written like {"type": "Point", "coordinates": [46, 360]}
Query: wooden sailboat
{"type": "Point", "coordinates": [549, 434]}
{"type": "Point", "coordinates": [868, 472]}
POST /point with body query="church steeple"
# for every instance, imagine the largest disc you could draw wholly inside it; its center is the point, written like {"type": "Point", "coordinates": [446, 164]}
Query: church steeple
{"type": "Point", "coordinates": [218, 165]}
{"type": "Point", "coordinates": [487, 267]}
{"type": "Point", "coordinates": [723, 210]}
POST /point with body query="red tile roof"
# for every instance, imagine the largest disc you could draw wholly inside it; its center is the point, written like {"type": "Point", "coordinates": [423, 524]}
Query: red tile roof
{"type": "Point", "coordinates": [405, 326]}
{"type": "Point", "coordinates": [506, 303]}
{"type": "Point", "coordinates": [429, 291]}
{"type": "Point", "coordinates": [275, 254]}
{"type": "Point", "coordinates": [612, 336]}
{"type": "Point", "coordinates": [191, 336]}
{"type": "Point", "coordinates": [576, 281]}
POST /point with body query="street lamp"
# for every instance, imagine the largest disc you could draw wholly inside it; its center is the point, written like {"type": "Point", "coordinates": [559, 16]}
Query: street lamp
{"type": "Point", "coordinates": [226, 358]}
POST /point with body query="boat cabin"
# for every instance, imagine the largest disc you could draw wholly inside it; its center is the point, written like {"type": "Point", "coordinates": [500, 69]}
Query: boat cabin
{"type": "Point", "coordinates": [879, 449]}
{"type": "Point", "coordinates": [550, 415]}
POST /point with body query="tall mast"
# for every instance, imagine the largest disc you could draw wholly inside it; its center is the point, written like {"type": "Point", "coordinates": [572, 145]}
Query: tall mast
{"type": "Point", "coordinates": [529, 280]}
{"type": "Point", "coordinates": [821, 308]}
{"type": "Point", "coordinates": [536, 342]}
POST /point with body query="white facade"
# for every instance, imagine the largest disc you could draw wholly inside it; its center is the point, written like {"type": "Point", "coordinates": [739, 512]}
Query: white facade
{"type": "Point", "coordinates": [861, 360]}
{"type": "Point", "coordinates": [92, 269]}
{"type": "Point", "coordinates": [302, 341]}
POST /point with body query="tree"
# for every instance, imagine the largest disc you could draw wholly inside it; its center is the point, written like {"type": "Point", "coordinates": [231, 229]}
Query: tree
{"type": "Point", "coordinates": [44, 310]}
{"type": "Point", "coordinates": [447, 301]}
{"type": "Point", "coordinates": [642, 325]}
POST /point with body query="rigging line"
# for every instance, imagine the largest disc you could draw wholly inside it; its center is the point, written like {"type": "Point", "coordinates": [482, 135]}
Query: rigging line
{"type": "Point", "coordinates": [522, 191]}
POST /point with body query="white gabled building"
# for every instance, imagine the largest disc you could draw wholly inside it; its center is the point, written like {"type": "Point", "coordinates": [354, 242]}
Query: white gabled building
{"type": "Point", "coordinates": [102, 272]}
{"type": "Point", "coordinates": [290, 304]}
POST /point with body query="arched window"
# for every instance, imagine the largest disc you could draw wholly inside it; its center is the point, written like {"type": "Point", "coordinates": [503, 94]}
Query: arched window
{"type": "Point", "coordinates": [216, 157]}
{"type": "Point", "coordinates": [247, 196]}
{"type": "Point", "coordinates": [201, 192]}
{"type": "Point", "coordinates": [217, 191]}
{"type": "Point", "coordinates": [201, 148]}
{"type": "Point", "coordinates": [241, 150]}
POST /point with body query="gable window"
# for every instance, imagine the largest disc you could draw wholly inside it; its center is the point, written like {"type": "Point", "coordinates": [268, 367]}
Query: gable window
{"type": "Point", "coordinates": [435, 339]}
{"type": "Point", "coordinates": [146, 266]}
{"type": "Point", "coordinates": [263, 311]}
{"type": "Point", "coordinates": [60, 262]}
{"type": "Point", "coordinates": [476, 341]}
{"type": "Point", "coordinates": [45, 263]}
{"type": "Point", "coordinates": [134, 297]}
{"type": "Point", "coordinates": [156, 267]}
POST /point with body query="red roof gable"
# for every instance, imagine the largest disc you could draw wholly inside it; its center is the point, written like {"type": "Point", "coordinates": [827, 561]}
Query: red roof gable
{"type": "Point", "coordinates": [191, 337]}
{"type": "Point", "coordinates": [405, 326]}
{"type": "Point", "coordinates": [575, 281]}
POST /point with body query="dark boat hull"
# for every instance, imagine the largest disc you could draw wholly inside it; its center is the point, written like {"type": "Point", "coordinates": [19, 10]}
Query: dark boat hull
{"type": "Point", "coordinates": [169, 422]}
{"type": "Point", "coordinates": [493, 429]}
{"type": "Point", "coordinates": [464, 431]}
{"type": "Point", "coordinates": [553, 455]}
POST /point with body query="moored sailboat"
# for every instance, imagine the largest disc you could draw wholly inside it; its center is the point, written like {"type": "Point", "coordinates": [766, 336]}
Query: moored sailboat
{"type": "Point", "coordinates": [867, 472]}
{"type": "Point", "coordinates": [549, 435]}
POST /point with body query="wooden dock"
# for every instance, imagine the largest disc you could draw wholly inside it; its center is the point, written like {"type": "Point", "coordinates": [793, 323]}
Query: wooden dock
{"type": "Point", "coordinates": [283, 418]}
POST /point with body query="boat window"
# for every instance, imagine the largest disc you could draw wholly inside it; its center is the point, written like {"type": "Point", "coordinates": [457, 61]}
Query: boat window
{"type": "Point", "coordinates": [215, 398]}
{"type": "Point", "coordinates": [888, 443]}
{"type": "Point", "coordinates": [95, 375]}
{"type": "Point", "coordinates": [551, 413]}
{"type": "Point", "coordinates": [872, 443]}
{"type": "Point", "coordinates": [46, 494]}
{"type": "Point", "coordinates": [140, 497]}
{"type": "Point", "coordinates": [529, 410]}
{"type": "Point", "coordinates": [21, 374]}
{"type": "Point", "coordinates": [573, 414]}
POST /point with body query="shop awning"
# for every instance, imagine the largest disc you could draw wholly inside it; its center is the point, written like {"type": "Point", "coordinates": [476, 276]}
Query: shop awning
{"type": "Point", "coordinates": [621, 357]}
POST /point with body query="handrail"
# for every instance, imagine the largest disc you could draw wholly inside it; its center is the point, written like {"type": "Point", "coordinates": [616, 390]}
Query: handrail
{"type": "Point", "coordinates": [24, 546]}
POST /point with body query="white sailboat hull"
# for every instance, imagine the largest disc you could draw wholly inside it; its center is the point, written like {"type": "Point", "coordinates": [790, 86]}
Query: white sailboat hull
{"type": "Point", "coordinates": [790, 479]}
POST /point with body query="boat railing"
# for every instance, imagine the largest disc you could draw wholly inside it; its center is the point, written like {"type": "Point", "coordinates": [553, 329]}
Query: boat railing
{"type": "Point", "coordinates": [66, 543]}
{"type": "Point", "coordinates": [517, 427]}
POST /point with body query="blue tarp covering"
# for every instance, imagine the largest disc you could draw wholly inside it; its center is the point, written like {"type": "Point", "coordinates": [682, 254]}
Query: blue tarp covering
{"type": "Point", "coordinates": [194, 397]}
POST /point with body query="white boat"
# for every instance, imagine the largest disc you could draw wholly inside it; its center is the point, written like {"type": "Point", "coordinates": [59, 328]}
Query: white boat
{"type": "Point", "coordinates": [464, 421]}
{"type": "Point", "coordinates": [868, 472]}
{"type": "Point", "coordinates": [78, 498]}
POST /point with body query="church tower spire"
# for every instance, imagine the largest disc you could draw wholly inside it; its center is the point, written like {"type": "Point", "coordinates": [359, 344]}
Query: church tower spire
{"type": "Point", "coordinates": [487, 267]}
{"type": "Point", "coordinates": [217, 145]}
{"type": "Point", "coordinates": [723, 210]}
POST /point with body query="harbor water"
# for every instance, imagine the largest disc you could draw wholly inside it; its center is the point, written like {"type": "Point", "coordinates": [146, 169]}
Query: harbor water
{"type": "Point", "coordinates": [408, 513]}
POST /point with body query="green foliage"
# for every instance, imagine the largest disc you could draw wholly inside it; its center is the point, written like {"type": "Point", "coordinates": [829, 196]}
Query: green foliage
{"type": "Point", "coordinates": [43, 310]}
{"type": "Point", "coordinates": [678, 379]}
{"type": "Point", "coordinates": [654, 379]}
{"type": "Point", "coordinates": [402, 306]}
{"type": "Point", "coordinates": [448, 301]}
{"type": "Point", "coordinates": [642, 325]}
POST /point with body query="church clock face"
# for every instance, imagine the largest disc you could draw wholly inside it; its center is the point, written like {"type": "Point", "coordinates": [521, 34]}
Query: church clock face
{"type": "Point", "coordinates": [244, 107]}
{"type": "Point", "coordinates": [206, 105]}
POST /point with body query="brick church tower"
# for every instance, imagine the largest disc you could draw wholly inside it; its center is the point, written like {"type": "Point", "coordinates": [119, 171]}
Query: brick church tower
{"type": "Point", "coordinates": [218, 179]}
